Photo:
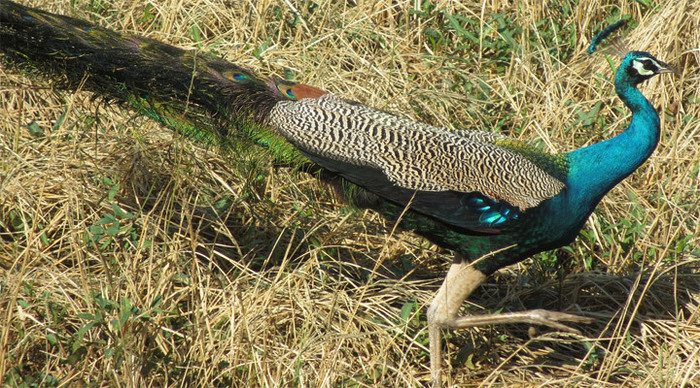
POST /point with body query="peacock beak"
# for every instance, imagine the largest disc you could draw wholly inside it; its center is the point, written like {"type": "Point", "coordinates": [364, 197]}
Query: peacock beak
{"type": "Point", "coordinates": [666, 68]}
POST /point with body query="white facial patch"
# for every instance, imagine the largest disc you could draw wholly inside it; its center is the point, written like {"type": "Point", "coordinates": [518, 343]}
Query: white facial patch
{"type": "Point", "coordinates": [639, 66]}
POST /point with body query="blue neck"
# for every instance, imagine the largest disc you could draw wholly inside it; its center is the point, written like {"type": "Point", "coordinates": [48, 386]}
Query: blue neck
{"type": "Point", "coordinates": [595, 169]}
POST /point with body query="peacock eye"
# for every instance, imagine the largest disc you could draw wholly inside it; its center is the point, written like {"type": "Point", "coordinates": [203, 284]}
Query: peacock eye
{"type": "Point", "coordinates": [644, 66]}
{"type": "Point", "coordinates": [290, 93]}
{"type": "Point", "coordinates": [239, 77]}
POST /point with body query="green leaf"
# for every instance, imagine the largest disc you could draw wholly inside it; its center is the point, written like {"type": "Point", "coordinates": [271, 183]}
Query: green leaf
{"type": "Point", "coordinates": [148, 14]}
{"type": "Point", "coordinates": [260, 50]}
{"type": "Point", "coordinates": [118, 211]}
{"type": "Point", "coordinates": [406, 310]}
{"type": "Point", "coordinates": [469, 362]}
{"type": "Point", "coordinates": [454, 23]}
{"type": "Point", "coordinates": [34, 129]}
{"type": "Point", "coordinates": [106, 243]}
{"type": "Point", "coordinates": [113, 192]}
{"type": "Point", "coordinates": [107, 219]}
{"type": "Point", "coordinates": [113, 229]}
{"type": "Point", "coordinates": [96, 231]}
{"type": "Point", "coordinates": [45, 241]}
{"type": "Point", "coordinates": [196, 34]}
{"type": "Point", "coordinates": [86, 316]}
{"type": "Point", "coordinates": [78, 337]}
{"type": "Point", "coordinates": [53, 340]}
{"type": "Point", "coordinates": [125, 310]}
{"type": "Point", "coordinates": [59, 121]}
{"type": "Point", "coordinates": [288, 74]}
{"type": "Point", "coordinates": [16, 220]}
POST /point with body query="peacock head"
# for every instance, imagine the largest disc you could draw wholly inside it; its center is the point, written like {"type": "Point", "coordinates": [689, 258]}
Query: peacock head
{"type": "Point", "coordinates": [639, 66]}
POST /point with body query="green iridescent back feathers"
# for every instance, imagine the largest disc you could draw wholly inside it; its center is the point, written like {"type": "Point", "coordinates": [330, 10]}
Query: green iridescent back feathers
{"type": "Point", "coordinates": [199, 95]}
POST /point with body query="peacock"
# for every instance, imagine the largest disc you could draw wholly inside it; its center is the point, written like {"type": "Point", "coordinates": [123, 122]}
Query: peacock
{"type": "Point", "coordinates": [492, 200]}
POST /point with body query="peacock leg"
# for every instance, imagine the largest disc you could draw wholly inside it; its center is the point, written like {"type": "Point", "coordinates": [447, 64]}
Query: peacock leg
{"type": "Point", "coordinates": [461, 280]}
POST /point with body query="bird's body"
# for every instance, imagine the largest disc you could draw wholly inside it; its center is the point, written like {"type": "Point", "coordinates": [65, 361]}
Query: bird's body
{"type": "Point", "coordinates": [472, 220]}
{"type": "Point", "coordinates": [493, 200]}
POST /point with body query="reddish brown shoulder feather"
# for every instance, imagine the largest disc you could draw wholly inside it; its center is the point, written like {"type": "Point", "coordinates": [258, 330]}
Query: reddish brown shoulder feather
{"type": "Point", "coordinates": [306, 91]}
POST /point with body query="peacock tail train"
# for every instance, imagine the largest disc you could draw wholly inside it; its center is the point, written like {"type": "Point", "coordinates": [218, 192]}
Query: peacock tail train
{"type": "Point", "coordinates": [197, 94]}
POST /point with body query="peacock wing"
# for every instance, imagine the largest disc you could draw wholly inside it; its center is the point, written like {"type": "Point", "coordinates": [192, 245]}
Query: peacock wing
{"type": "Point", "coordinates": [461, 177]}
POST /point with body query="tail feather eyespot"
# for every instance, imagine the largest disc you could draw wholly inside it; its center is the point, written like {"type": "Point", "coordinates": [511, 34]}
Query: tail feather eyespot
{"type": "Point", "coordinates": [238, 77]}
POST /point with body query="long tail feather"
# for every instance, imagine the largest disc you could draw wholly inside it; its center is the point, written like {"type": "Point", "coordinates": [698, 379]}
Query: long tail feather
{"type": "Point", "coordinates": [198, 94]}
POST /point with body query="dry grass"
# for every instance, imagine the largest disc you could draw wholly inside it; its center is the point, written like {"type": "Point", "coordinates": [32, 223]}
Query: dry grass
{"type": "Point", "coordinates": [285, 290]}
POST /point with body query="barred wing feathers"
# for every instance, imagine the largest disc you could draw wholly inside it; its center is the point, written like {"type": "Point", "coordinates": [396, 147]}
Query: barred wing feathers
{"type": "Point", "coordinates": [341, 135]}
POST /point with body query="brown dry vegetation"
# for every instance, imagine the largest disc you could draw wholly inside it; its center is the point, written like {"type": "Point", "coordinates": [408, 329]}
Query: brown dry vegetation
{"type": "Point", "coordinates": [284, 290]}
